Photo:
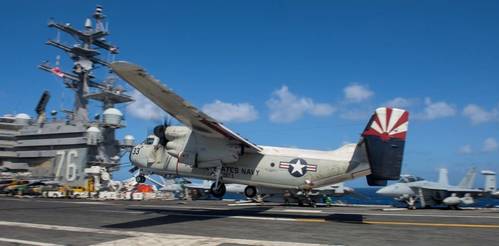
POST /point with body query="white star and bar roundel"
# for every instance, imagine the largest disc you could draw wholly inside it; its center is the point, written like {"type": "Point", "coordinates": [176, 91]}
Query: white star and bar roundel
{"type": "Point", "coordinates": [298, 167]}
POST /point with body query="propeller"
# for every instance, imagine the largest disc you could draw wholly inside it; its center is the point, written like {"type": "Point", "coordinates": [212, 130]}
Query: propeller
{"type": "Point", "coordinates": [159, 131]}
{"type": "Point", "coordinates": [133, 169]}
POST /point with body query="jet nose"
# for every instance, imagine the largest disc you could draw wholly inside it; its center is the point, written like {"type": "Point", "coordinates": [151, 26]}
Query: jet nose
{"type": "Point", "coordinates": [391, 190]}
{"type": "Point", "coordinates": [384, 191]}
{"type": "Point", "coordinates": [395, 190]}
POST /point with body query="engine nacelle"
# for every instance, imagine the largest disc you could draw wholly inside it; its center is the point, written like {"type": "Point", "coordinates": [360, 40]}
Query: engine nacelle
{"type": "Point", "coordinates": [193, 148]}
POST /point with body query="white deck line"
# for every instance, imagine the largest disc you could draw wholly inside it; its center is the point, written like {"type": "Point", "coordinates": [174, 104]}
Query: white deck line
{"type": "Point", "coordinates": [163, 238]}
{"type": "Point", "coordinates": [18, 241]}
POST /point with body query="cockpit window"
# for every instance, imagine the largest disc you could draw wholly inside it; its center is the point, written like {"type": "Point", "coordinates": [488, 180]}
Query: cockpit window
{"type": "Point", "coordinates": [409, 179]}
{"type": "Point", "coordinates": [149, 141]}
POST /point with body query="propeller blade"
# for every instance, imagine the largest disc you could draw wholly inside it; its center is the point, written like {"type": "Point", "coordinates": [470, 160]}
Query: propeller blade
{"type": "Point", "coordinates": [133, 169]}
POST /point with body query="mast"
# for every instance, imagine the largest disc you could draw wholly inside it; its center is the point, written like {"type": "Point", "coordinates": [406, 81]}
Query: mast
{"type": "Point", "coordinates": [88, 44]}
{"type": "Point", "coordinates": [85, 52]}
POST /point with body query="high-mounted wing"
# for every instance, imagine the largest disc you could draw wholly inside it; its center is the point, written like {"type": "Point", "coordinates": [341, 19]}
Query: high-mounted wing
{"type": "Point", "coordinates": [176, 106]}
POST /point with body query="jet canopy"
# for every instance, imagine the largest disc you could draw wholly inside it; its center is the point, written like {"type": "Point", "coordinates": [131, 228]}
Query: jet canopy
{"type": "Point", "coordinates": [409, 179]}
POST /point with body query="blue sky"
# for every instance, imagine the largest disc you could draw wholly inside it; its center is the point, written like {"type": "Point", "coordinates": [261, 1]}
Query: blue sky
{"type": "Point", "coordinates": [293, 73]}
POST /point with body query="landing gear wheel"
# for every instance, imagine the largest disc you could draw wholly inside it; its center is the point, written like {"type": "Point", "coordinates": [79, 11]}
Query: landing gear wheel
{"type": "Point", "coordinates": [250, 191]}
{"type": "Point", "coordinates": [140, 179]}
{"type": "Point", "coordinates": [219, 191]}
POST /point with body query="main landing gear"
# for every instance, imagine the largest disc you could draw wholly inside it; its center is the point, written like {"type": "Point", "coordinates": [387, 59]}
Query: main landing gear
{"type": "Point", "coordinates": [140, 179]}
{"type": "Point", "coordinates": [218, 189]}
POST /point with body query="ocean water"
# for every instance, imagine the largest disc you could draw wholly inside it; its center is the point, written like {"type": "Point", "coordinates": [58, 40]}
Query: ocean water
{"type": "Point", "coordinates": [368, 196]}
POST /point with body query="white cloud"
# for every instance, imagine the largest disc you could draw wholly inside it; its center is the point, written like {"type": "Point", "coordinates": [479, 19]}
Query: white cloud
{"type": "Point", "coordinates": [399, 102]}
{"type": "Point", "coordinates": [436, 110]}
{"type": "Point", "coordinates": [478, 115]}
{"type": "Point", "coordinates": [321, 109]}
{"type": "Point", "coordinates": [287, 107]}
{"type": "Point", "coordinates": [357, 93]}
{"type": "Point", "coordinates": [489, 145]}
{"type": "Point", "coordinates": [228, 112]}
{"type": "Point", "coordinates": [465, 150]}
{"type": "Point", "coordinates": [143, 108]}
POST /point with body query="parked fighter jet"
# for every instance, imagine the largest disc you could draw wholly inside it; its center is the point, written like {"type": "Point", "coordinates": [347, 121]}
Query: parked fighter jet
{"type": "Point", "coordinates": [205, 148]}
{"type": "Point", "coordinates": [411, 189]}
{"type": "Point", "coordinates": [292, 195]}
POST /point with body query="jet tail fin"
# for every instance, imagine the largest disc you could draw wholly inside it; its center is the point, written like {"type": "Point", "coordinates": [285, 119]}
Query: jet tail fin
{"type": "Point", "coordinates": [443, 177]}
{"type": "Point", "coordinates": [490, 181]}
{"type": "Point", "coordinates": [384, 137]}
{"type": "Point", "coordinates": [468, 179]}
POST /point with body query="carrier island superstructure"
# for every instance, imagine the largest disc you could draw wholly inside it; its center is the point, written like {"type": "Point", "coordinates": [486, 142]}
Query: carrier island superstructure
{"type": "Point", "coordinates": [73, 148]}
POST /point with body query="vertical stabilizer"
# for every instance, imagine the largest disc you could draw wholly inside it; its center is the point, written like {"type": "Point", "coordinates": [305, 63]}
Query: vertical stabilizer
{"type": "Point", "coordinates": [384, 137]}
{"type": "Point", "coordinates": [443, 177]}
{"type": "Point", "coordinates": [468, 179]}
{"type": "Point", "coordinates": [490, 180]}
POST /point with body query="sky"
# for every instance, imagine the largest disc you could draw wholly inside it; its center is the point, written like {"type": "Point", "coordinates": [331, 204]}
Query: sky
{"type": "Point", "coordinates": [304, 74]}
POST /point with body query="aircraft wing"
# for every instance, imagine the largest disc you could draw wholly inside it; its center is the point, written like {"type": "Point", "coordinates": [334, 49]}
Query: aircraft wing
{"type": "Point", "coordinates": [451, 189]}
{"type": "Point", "coordinates": [176, 106]}
{"type": "Point", "coordinates": [463, 190]}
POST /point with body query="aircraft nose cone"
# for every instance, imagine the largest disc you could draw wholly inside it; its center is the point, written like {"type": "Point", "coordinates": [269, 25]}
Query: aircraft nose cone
{"type": "Point", "coordinates": [395, 190]}
{"type": "Point", "coordinates": [384, 191]}
{"type": "Point", "coordinates": [391, 190]}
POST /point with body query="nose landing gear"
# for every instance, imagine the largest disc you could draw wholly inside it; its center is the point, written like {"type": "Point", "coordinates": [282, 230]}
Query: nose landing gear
{"type": "Point", "coordinates": [140, 179]}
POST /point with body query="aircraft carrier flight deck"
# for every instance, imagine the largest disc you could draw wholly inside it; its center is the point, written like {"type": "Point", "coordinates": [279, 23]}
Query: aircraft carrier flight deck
{"type": "Point", "coordinates": [30, 221]}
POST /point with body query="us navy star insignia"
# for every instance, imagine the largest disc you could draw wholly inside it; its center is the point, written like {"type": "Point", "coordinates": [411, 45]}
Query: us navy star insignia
{"type": "Point", "coordinates": [298, 167]}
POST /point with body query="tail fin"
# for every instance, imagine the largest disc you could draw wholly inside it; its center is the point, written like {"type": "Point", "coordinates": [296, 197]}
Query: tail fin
{"type": "Point", "coordinates": [468, 179]}
{"type": "Point", "coordinates": [443, 177]}
{"type": "Point", "coordinates": [490, 181]}
{"type": "Point", "coordinates": [384, 137]}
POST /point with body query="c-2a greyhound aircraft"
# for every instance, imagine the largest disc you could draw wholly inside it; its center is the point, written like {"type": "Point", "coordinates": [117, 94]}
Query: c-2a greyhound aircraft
{"type": "Point", "coordinates": [204, 148]}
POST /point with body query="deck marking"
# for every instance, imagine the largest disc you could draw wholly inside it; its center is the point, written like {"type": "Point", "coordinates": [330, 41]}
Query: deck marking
{"type": "Point", "coordinates": [430, 224]}
{"type": "Point", "coordinates": [181, 241]}
{"type": "Point", "coordinates": [171, 239]}
{"type": "Point", "coordinates": [427, 215]}
{"type": "Point", "coordinates": [93, 203]}
{"type": "Point", "coordinates": [248, 217]}
{"type": "Point", "coordinates": [178, 207]}
{"type": "Point", "coordinates": [311, 220]}
{"type": "Point", "coordinates": [18, 241]}
{"type": "Point", "coordinates": [117, 211]}
{"type": "Point", "coordinates": [300, 211]}
{"type": "Point", "coordinates": [245, 204]}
